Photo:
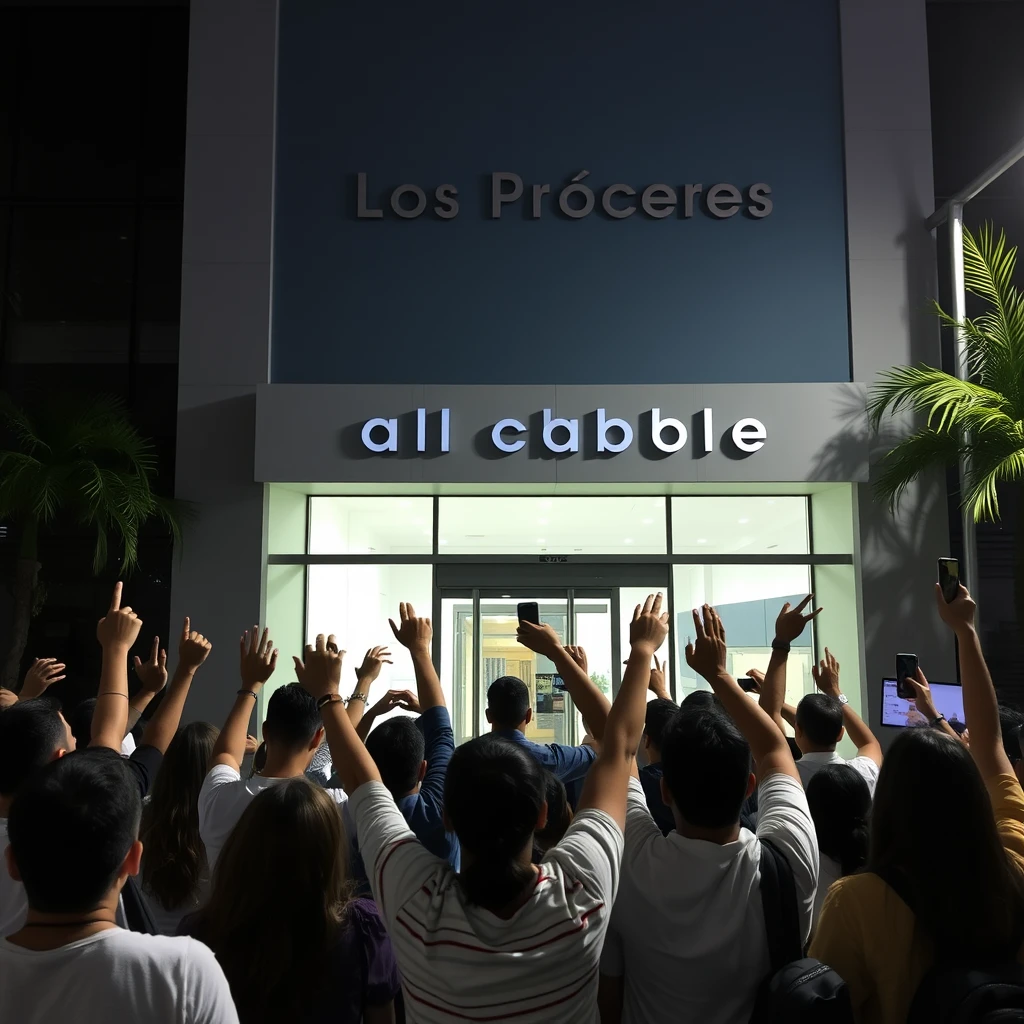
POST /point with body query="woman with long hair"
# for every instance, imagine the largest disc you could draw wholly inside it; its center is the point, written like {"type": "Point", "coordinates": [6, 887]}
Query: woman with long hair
{"type": "Point", "coordinates": [944, 883]}
{"type": "Point", "coordinates": [840, 803]}
{"type": "Point", "coordinates": [174, 874]}
{"type": "Point", "coordinates": [294, 944]}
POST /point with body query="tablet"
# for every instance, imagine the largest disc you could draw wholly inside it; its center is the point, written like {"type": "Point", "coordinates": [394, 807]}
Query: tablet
{"type": "Point", "coordinates": [948, 699]}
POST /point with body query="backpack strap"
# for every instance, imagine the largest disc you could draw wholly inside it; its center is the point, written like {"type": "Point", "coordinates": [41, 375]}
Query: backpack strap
{"type": "Point", "coordinates": [779, 905]}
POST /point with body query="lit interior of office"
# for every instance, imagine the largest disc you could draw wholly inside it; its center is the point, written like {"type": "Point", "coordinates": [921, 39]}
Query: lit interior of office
{"type": "Point", "coordinates": [341, 563]}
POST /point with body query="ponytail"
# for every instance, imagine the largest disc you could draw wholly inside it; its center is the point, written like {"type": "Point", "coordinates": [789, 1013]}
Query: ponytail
{"type": "Point", "coordinates": [852, 850]}
{"type": "Point", "coordinates": [494, 883]}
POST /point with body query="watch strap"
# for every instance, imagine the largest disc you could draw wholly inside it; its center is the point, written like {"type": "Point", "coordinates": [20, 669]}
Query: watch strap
{"type": "Point", "coordinates": [327, 698]}
{"type": "Point", "coordinates": [938, 718]}
{"type": "Point", "coordinates": [843, 699]}
{"type": "Point", "coordinates": [781, 645]}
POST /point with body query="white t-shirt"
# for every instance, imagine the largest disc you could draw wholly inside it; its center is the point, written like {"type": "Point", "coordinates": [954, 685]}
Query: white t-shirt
{"type": "Point", "coordinates": [811, 763]}
{"type": "Point", "coordinates": [222, 801]}
{"type": "Point", "coordinates": [462, 962]}
{"type": "Point", "coordinates": [688, 930]}
{"type": "Point", "coordinates": [13, 902]}
{"type": "Point", "coordinates": [115, 975]}
{"type": "Point", "coordinates": [167, 921]}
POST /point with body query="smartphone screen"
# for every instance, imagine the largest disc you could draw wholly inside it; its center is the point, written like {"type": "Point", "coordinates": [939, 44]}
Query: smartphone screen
{"type": "Point", "coordinates": [528, 612]}
{"type": "Point", "coordinates": [906, 665]}
{"type": "Point", "coordinates": [949, 578]}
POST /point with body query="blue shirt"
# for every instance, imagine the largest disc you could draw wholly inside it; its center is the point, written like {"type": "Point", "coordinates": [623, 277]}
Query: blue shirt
{"type": "Point", "coordinates": [424, 810]}
{"type": "Point", "coordinates": [567, 763]}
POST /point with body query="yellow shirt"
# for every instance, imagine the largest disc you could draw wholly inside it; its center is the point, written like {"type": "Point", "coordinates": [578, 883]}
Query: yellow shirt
{"type": "Point", "coordinates": [869, 935]}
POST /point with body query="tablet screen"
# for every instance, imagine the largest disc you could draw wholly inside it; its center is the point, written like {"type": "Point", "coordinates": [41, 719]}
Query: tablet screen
{"type": "Point", "coordinates": [948, 698]}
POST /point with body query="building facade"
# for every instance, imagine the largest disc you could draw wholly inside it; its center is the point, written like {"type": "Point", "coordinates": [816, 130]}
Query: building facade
{"type": "Point", "coordinates": [559, 306]}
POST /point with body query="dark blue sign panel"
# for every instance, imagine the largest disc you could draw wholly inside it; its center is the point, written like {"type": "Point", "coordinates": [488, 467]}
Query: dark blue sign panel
{"type": "Point", "coordinates": [630, 192]}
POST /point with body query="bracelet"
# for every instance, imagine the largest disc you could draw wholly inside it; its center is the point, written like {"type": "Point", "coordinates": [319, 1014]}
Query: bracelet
{"type": "Point", "coordinates": [781, 646]}
{"type": "Point", "coordinates": [358, 696]}
{"type": "Point", "coordinates": [247, 693]}
{"type": "Point", "coordinates": [327, 698]}
{"type": "Point", "coordinates": [938, 718]}
{"type": "Point", "coordinates": [114, 693]}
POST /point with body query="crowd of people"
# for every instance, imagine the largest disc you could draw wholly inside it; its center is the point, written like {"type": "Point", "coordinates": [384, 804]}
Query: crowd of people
{"type": "Point", "coordinates": [685, 863]}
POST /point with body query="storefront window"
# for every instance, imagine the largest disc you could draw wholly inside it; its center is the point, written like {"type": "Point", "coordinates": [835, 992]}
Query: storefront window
{"type": "Point", "coordinates": [541, 525]}
{"type": "Point", "coordinates": [370, 526]}
{"type": "Point", "coordinates": [740, 525]}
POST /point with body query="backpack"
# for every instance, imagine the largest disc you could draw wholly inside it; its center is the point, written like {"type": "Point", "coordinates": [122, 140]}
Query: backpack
{"type": "Point", "coordinates": [954, 993]}
{"type": "Point", "coordinates": [798, 989]}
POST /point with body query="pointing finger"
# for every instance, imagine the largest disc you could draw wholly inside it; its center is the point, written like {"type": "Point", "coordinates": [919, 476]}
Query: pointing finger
{"type": "Point", "coordinates": [115, 599]}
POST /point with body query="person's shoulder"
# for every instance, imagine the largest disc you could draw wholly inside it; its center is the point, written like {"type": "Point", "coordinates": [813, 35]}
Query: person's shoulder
{"type": "Point", "coordinates": [781, 789]}
{"type": "Point", "coordinates": [221, 775]}
{"type": "Point", "coordinates": [864, 764]}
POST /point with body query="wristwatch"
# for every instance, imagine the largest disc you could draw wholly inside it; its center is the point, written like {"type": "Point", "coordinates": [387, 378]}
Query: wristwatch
{"type": "Point", "coordinates": [842, 698]}
{"type": "Point", "coordinates": [781, 645]}
{"type": "Point", "coordinates": [940, 717]}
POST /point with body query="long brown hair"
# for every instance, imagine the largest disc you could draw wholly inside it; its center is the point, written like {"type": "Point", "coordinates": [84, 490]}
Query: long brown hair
{"type": "Point", "coordinates": [173, 855]}
{"type": "Point", "coordinates": [932, 823]}
{"type": "Point", "coordinates": [280, 891]}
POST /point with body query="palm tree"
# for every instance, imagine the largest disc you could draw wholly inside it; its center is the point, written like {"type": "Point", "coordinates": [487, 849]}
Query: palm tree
{"type": "Point", "coordinates": [980, 419]}
{"type": "Point", "coordinates": [82, 459]}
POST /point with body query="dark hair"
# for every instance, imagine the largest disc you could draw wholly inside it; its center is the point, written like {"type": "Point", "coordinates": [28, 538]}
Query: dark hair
{"type": "Point", "coordinates": [493, 795]}
{"type": "Point", "coordinates": [926, 773]}
{"type": "Point", "coordinates": [1010, 721]}
{"type": "Point", "coordinates": [259, 759]}
{"type": "Point", "coordinates": [660, 712]}
{"type": "Point", "coordinates": [820, 716]}
{"type": "Point", "coordinates": [559, 816]}
{"type": "Point", "coordinates": [700, 699]}
{"type": "Point", "coordinates": [706, 765]}
{"type": "Point", "coordinates": [292, 717]}
{"type": "Point", "coordinates": [71, 827]}
{"type": "Point", "coordinates": [794, 748]}
{"type": "Point", "coordinates": [397, 748]}
{"type": "Point", "coordinates": [173, 854]}
{"type": "Point", "coordinates": [508, 700]}
{"type": "Point", "coordinates": [840, 803]}
{"type": "Point", "coordinates": [289, 846]}
{"type": "Point", "coordinates": [80, 721]}
{"type": "Point", "coordinates": [31, 732]}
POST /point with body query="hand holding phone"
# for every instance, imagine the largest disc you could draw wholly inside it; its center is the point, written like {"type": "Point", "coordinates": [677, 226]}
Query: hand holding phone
{"type": "Point", "coordinates": [528, 612]}
{"type": "Point", "coordinates": [747, 685]}
{"type": "Point", "coordinates": [906, 668]}
{"type": "Point", "coordinates": [949, 578]}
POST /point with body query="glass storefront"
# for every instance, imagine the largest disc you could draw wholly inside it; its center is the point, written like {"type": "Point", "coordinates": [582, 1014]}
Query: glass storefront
{"type": "Point", "coordinates": [346, 561]}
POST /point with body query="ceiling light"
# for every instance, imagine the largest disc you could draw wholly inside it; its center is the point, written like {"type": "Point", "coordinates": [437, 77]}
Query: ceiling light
{"type": "Point", "coordinates": [541, 540]}
{"type": "Point", "coordinates": [628, 540]}
{"type": "Point", "coordinates": [647, 522]}
{"type": "Point", "coordinates": [542, 522]}
{"type": "Point", "coordinates": [743, 522]}
{"type": "Point", "coordinates": [702, 540]}
{"type": "Point", "coordinates": [442, 542]}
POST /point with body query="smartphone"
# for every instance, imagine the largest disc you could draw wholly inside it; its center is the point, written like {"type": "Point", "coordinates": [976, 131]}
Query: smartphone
{"type": "Point", "coordinates": [747, 685]}
{"type": "Point", "coordinates": [528, 612]}
{"type": "Point", "coordinates": [906, 665]}
{"type": "Point", "coordinates": [949, 578]}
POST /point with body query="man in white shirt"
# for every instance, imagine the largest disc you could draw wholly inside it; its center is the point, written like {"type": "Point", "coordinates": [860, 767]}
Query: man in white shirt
{"type": "Point", "coordinates": [70, 960]}
{"type": "Point", "coordinates": [687, 939]}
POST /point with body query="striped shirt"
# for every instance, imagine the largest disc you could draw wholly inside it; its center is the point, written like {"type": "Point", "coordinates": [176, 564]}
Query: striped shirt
{"type": "Point", "coordinates": [461, 962]}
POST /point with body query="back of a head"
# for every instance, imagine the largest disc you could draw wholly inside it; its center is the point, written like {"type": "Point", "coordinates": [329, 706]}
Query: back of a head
{"type": "Point", "coordinates": [700, 699]}
{"type": "Point", "coordinates": [31, 732]}
{"type": "Point", "coordinates": [71, 827]}
{"type": "Point", "coordinates": [292, 718]}
{"type": "Point", "coordinates": [1010, 721]}
{"type": "Point", "coordinates": [173, 855]}
{"type": "Point", "coordinates": [559, 814]}
{"type": "Point", "coordinates": [80, 721]}
{"type": "Point", "coordinates": [493, 795]}
{"type": "Point", "coordinates": [659, 713]}
{"type": "Point", "coordinates": [706, 765]}
{"type": "Point", "coordinates": [508, 700]}
{"type": "Point", "coordinates": [396, 747]}
{"type": "Point", "coordinates": [289, 846]}
{"type": "Point", "coordinates": [927, 776]}
{"type": "Point", "coordinates": [820, 717]}
{"type": "Point", "coordinates": [840, 804]}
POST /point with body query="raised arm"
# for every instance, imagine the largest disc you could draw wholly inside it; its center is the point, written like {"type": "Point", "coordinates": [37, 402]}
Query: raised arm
{"type": "Point", "coordinates": [790, 623]}
{"type": "Point", "coordinates": [153, 676]}
{"type": "Point", "coordinates": [321, 676]}
{"type": "Point", "coordinates": [826, 678]}
{"type": "Point", "coordinates": [404, 699]}
{"type": "Point", "coordinates": [193, 650]}
{"type": "Point", "coordinates": [374, 659]}
{"type": "Point", "coordinates": [257, 661]}
{"type": "Point", "coordinates": [926, 705]}
{"type": "Point", "coordinates": [981, 708]}
{"type": "Point", "coordinates": [591, 703]}
{"type": "Point", "coordinates": [707, 657]}
{"type": "Point", "coordinates": [608, 778]}
{"type": "Point", "coordinates": [116, 632]}
{"type": "Point", "coordinates": [415, 634]}
{"type": "Point", "coordinates": [42, 674]}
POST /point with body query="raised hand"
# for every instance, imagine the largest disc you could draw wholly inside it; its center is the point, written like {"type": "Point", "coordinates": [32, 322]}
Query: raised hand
{"type": "Point", "coordinates": [706, 654]}
{"type": "Point", "coordinates": [193, 649]}
{"type": "Point", "coordinates": [649, 626]}
{"type": "Point", "coordinates": [43, 672]}
{"type": "Point", "coordinates": [923, 695]}
{"type": "Point", "coordinates": [152, 673]}
{"type": "Point", "coordinates": [758, 676]}
{"type": "Point", "coordinates": [374, 659]}
{"type": "Point", "coordinates": [541, 639]}
{"type": "Point", "coordinates": [959, 613]}
{"type": "Point", "coordinates": [791, 621]}
{"type": "Point", "coordinates": [404, 699]}
{"type": "Point", "coordinates": [257, 657]}
{"type": "Point", "coordinates": [826, 675]}
{"type": "Point", "coordinates": [412, 632]}
{"type": "Point", "coordinates": [119, 628]}
{"type": "Point", "coordinates": [251, 745]}
{"type": "Point", "coordinates": [320, 672]}
{"type": "Point", "coordinates": [579, 655]}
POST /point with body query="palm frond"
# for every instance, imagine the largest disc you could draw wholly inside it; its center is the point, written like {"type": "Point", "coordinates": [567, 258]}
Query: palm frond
{"type": "Point", "coordinates": [924, 450]}
{"type": "Point", "coordinates": [995, 457]}
{"type": "Point", "coordinates": [17, 421]}
{"type": "Point", "coordinates": [924, 389]}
